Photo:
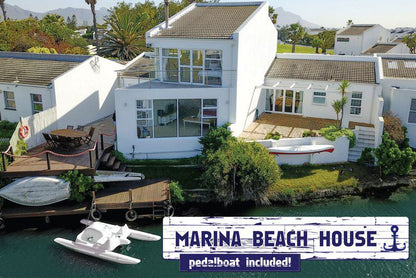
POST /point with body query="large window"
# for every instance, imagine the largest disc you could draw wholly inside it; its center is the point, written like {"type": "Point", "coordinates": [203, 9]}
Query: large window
{"type": "Point", "coordinates": [319, 97]}
{"type": "Point", "coordinates": [284, 101]}
{"type": "Point", "coordinates": [175, 118]}
{"type": "Point", "coordinates": [412, 112]}
{"type": "Point", "coordinates": [9, 100]}
{"type": "Point", "coordinates": [190, 66]}
{"type": "Point", "coordinates": [356, 98]}
{"type": "Point", "coordinates": [37, 105]}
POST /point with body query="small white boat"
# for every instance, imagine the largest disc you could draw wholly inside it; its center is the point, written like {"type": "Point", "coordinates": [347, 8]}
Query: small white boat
{"type": "Point", "coordinates": [114, 176]}
{"type": "Point", "coordinates": [36, 191]}
{"type": "Point", "coordinates": [301, 149]}
{"type": "Point", "coordinates": [100, 239]}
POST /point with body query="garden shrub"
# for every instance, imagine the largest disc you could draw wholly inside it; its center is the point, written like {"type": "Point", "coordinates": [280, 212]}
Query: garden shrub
{"type": "Point", "coordinates": [391, 159]}
{"type": "Point", "coordinates": [367, 157]}
{"type": "Point", "coordinates": [331, 133]}
{"type": "Point", "coordinates": [176, 192]}
{"type": "Point", "coordinates": [394, 127]}
{"type": "Point", "coordinates": [308, 133]}
{"type": "Point", "coordinates": [81, 185]}
{"type": "Point", "coordinates": [215, 138]}
{"type": "Point", "coordinates": [21, 147]}
{"type": "Point", "coordinates": [240, 171]}
{"type": "Point", "coordinates": [273, 135]}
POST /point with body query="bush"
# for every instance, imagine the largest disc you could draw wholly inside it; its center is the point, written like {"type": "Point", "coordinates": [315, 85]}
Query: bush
{"type": "Point", "coordinates": [240, 171]}
{"type": "Point", "coordinates": [367, 157]}
{"type": "Point", "coordinates": [308, 133]}
{"type": "Point", "coordinates": [331, 133]}
{"type": "Point", "coordinates": [391, 159]}
{"type": "Point", "coordinates": [393, 126]}
{"type": "Point", "coordinates": [176, 192]}
{"type": "Point", "coordinates": [21, 147]}
{"type": "Point", "coordinates": [273, 135]}
{"type": "Point", "coordinates": [81, 186]}
{"type": "Point", "coordinates": [7, 129]}
{"type": "Point", "coordinates": [215, 138]}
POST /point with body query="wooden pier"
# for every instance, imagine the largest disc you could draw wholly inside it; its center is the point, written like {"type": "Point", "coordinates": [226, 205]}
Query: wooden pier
{"type": "Point", "coordinates": [146, 197]}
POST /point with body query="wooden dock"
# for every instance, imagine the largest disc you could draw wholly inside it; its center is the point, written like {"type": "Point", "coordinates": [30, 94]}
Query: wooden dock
{"type": "Point", "coordinates": [147, 196]}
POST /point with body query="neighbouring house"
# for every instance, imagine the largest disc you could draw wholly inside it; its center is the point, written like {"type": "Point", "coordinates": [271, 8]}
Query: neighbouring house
{"type": "Point", "coordinates": [79, 88]}
{"type": "Point", "coordinates": [399, 89]}
{"type": "Point", "coordinates": [208, 63]}
{"type": "Point", "coordinates": [358, 38]}
{"type": "Point", "coordinates": [395, 47]}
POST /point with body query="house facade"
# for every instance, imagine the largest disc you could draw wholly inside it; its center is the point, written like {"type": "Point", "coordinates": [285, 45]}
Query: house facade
{"type": "Point", "coordinates": [72, 84]}
{"type": "Point", "coordinates": [207, 66]}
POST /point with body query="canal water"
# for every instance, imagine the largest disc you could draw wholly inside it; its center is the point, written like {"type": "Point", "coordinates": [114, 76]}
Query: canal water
{"type": "Point", "coordinates": [32, 252]}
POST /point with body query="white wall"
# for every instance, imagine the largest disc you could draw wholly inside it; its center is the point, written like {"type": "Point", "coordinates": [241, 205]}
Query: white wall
{"type": "Point", "coordinates": [340, 153]}
{"type": "Point", "coordinates": [376, 34]}
{"type": "Point", "coordinates": [84, 95]}
{"type": "Point", "coordinates": [353, 47]}
{"type": "Point", "coordinates": [400, 48]}
{"type": "Point", "coordinates": [161, 147]}
{"type": "Point", "coordinates": [256, 52]}
{"type": "Point", "coordinates": [400, 105]}
{"type": "Point", "coordinates": [389, 84]}
{"type": "Point", "coordinates": [22, 94]}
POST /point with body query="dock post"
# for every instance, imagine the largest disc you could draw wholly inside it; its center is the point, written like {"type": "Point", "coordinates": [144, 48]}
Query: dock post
{"type": "Point", "coordinates": [3, 158]}
{"type": "Point", "coordinates": [96, 153]}
{"type": "Point", "coordinates": [12, 157]}
{"type": "Point", "coordinates": [48, 161]}
{"type": "Point", "coordinates": [89, 153]}
{"type": "Point", "coordinates": [102, 141]}
{"type": "Point", "coordinates": [130, 198]}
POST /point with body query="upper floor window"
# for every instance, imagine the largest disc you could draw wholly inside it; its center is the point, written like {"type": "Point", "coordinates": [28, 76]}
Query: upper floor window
{"type": "Point", "coordinates": [37, 105]}
{"type": "Point", "coordinates": [343, 39]}
{"type": "Point", "coordinates": [412, 112]}
{"type": "Point", "coordinates": [356, 98]}
{"type": "Point", "coordinates": [188, 66]}
{"type": "Point", "coordinates": [9, 100]}
{"type": "Point", "coordinates": [319, 97]}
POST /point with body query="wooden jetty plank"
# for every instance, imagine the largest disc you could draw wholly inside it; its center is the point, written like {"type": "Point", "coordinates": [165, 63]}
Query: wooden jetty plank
{"type": "Point", "coordinates": [23, 212]}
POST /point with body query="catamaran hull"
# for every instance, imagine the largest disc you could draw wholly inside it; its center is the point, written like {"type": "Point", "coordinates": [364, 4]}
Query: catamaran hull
{"type": "Point", "coordinates": [104, 255]}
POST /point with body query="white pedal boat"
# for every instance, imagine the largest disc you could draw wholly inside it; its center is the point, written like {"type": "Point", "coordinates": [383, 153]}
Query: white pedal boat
{"type": "Point", "coordinates": [301, 149]}
{"type": "Point", "coordinates": [100, 239]}
{"type": "Point", "coordinates": [114, 176]}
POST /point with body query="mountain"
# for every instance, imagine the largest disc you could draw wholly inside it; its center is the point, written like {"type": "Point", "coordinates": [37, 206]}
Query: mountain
{"type": "Point", "coordinates": [83, 15]}
{"type": "Point", "coordinates": [287, 18]}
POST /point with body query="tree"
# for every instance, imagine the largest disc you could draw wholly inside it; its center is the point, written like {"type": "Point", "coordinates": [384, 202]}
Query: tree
{"type": "Point", "coordinates": [71, 22]}
{"type": "Point", "coordinates": [316, 42]}
{"type": "Point", "coordinates": [124, 39]}
{"type": "Point", "coordinates": [337, 105]}
{"type": "Point", "coordinates": [273, 15]}
{"type": "Point", "coordinates": [410, 41]}
{"type": "Point", "coordinates": [295, 32]}
{"type": "Point", "coordinates": [343, 86]}
{"type": "Point", "coordinates": [3, 9]}
{"type": "Point", "coordinates": [350, 22]}
{"type": "Point", "coordinates": [327, 39]}
{"type": "Point", "coordinates": [240, 171]}
{"type": "Point", "coordinates": [92, 4]}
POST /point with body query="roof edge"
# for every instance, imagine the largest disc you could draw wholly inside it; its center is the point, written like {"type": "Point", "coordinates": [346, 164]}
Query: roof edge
{"type": "Point", "coordinates": [260, 6]}
{"type": "Point", "coordinates": [46, 57]}
{"type": "Point", "coordinates": [319, 57]}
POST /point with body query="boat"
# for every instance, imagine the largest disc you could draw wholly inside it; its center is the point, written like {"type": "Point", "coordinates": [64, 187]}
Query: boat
{"type": "Point", "coordinates": [301, 149]}
{"type": "Point", "coordinates": [99, 240]}
{"type": "Point", "coordinates": [36, 191]}
{"type": "Point", "coordinates": [114, 176]}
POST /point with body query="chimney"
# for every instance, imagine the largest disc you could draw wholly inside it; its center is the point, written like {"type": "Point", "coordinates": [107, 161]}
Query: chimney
{"type": "Point", "coordinates": [167, 13]}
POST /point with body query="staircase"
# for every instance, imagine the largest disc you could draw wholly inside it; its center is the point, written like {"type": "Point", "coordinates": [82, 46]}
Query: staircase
{"type": "Point", "coordinates": [365, 138]}
{"type": "Point", "coordinates": [111, 163]}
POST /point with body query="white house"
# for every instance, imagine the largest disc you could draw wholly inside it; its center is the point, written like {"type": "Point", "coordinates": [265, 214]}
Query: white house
{"type": "Point", "coordinates": [208, 65]}
{"type": "Point", "coordinates": [358, 38]}
{"type": "Point", "coordinates": [395, 47]}
{"type": "Point", "coordinates": [80, 88]}
{"type": "Point", "coordinates": [399, 89]}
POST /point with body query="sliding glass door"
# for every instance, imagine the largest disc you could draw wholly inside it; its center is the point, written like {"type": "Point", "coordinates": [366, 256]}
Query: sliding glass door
{"type": "Point", "coordinates": [284, 101]}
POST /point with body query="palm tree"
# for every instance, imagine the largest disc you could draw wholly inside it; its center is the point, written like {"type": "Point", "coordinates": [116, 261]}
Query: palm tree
{"type": "Point", "coordinates": [350, 22]}
{"type": "Point", "coordinates": [92, 4]}
{"type": "Point", "coordinates": [343, 86]}
{"type": "Point", "coordinates": [3, 9]}
{"type": "Point", "coordinates": [316, 42]}
{"type": "Point", "coordinates": [327, 39]}
{"type": "Point", "coordinates": [295, 32]}
{"type": "Point", "coordinates": [338, 105]}
{"type": "Point", "coordinates": [124, 39]}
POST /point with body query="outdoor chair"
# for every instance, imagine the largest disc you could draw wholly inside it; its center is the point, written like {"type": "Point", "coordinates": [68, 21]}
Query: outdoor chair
{"type": "Point", "coordinates": [69, 127]}
{"type": "Point", "coordinates": [88, 139]}
{"type": "Point", "coordinates": [80, 128]}
{"type": "Point", "coordinates": [49, 140]}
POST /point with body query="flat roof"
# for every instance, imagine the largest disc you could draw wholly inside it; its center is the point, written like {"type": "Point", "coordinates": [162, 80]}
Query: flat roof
{"type": "Point", "coordinates": [323, 70]}
{"type": "Point", "coordinates": [210, 21]}
{"type": "Point", "coordinates": [35, 69]}
{"type": "Point", "coordinates": [139, 68]}
{"type": "Point", "coordinates": [355, 30]}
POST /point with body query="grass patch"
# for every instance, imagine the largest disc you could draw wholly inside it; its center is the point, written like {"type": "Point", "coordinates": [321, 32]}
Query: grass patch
{"type": "Point", "coordinates": [310, 178]}
{"type": "Point", "coordinates": [287, 48]}
{"type": "Point", "coordinates": [188, 177]}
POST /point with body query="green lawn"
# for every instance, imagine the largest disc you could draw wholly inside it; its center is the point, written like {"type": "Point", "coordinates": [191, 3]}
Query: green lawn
{"type": "Point", "coordinates": [305, 179]}
{"type": "Point", "coordinates": [287, 48]}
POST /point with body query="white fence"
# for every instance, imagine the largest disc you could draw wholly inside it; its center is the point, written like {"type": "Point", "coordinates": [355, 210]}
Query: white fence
{"type": "Point", "coordinates": [340, 153]}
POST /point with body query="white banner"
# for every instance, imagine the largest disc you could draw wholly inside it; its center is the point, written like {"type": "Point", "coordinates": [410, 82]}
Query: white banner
{"type": "Point", "coordinates": [315, 238]}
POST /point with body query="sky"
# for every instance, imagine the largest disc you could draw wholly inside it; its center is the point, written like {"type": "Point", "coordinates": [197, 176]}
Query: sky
{"type": "Point", "coordinates": [328, 13]}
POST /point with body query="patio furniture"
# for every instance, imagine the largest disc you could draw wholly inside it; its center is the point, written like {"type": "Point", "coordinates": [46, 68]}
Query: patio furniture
{"type": "Point", "coordinates": [49, 140]}
{"type": "Point", "coordinates": [69, 127]}
{"type": "Point", "coordinates": [87, 139]}
{"type": "Point", "coordinates": [80, 127]}
{"type": "Point", "coordinates": [68, 138]}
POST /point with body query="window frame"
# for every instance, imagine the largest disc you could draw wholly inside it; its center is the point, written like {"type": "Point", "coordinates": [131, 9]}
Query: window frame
{"type": "Point", "coordinates": [7, 100]}
{"type": "Point", "coordinates": [34, 111]}
{"type": "Point", "coordinates": [411, 111]}
{"type": "Point", "coordinates": [355, 106]}
{"type": "Point", "coordinates": [319, 97]}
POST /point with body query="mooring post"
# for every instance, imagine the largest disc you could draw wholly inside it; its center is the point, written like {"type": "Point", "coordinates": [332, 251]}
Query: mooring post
{"type": "Point", "coordinates": [102, 141]}
{"type": "Point", "coordinates": [131, 198]}
{"type": "Point", "coordinates": [48, 161]}
{"type": "Point", "coordinates": [89, 153]}
{"type": "Point", "coordinates": [96, 153]}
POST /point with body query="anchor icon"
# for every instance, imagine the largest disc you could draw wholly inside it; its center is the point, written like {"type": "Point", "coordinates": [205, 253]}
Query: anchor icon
{"type": "Point", "coordinates": [394, 229]}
